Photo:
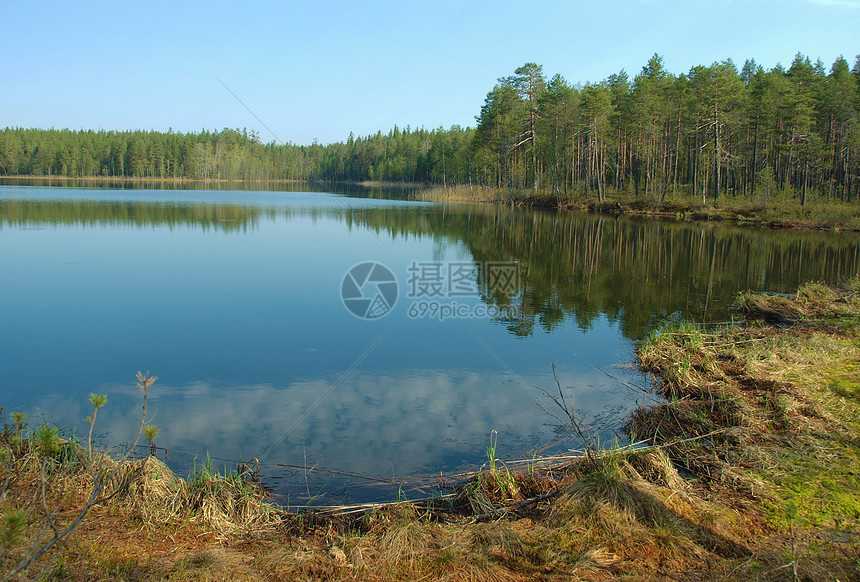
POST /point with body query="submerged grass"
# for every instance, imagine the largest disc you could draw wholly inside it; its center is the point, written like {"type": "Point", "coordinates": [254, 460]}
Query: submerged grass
{"type": "Point", "coordinates": [749, 472]}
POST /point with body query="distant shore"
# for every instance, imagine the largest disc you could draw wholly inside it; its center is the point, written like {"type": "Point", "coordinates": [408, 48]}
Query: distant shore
{"type": "Point", "coordinates": [776, 212]}
{"type": "Point", "coordinates": [172, 179]}
{"type": "Point", "coordinates": [773, 212]}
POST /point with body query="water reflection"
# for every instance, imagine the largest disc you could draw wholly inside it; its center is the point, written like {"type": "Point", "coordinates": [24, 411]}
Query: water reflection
{"type": "Point", "coordinates": [232, 298]}
{"type": "Point", "coordinates": [578, 266]}
{"type": "Point", "coordinates": [388, 191]}
{"type": "Point", "coordinates": [389, 425]}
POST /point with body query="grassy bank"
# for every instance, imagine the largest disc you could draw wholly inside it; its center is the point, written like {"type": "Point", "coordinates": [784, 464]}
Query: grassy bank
{"type": "Point", "coordinates": [748, 471]}
{"type": "Point", "coordinates": [777, 211]}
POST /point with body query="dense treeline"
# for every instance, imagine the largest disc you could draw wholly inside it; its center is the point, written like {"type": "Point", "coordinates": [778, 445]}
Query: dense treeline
{"type": "Point", "coordinates": [228, 154]}
{"type": "Point", "coordinates": [403, 156]}
{"type": "Point", "coordinates": [712, 131]}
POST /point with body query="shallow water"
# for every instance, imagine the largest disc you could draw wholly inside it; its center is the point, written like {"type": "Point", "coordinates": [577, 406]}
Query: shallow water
{"type": "Point", "coordinates": [235, 299]}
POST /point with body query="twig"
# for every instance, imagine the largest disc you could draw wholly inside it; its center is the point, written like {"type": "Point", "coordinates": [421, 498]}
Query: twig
{"type": "Point", "coordinates": [561, 402]}
{"type": "Point", "coordinates": [332, 471]}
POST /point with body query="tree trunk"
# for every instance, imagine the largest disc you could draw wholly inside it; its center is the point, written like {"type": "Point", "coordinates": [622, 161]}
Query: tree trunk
{"type": "Point", "coordinates": [805, 181]}
{"type": "Point", "coordinates": [755, 155]}
{"type": "Point", "coordinates": [716, 154]}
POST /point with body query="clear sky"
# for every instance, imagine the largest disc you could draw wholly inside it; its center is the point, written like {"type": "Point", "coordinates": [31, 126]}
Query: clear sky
{"type": "Point", "coordinates": [320, 69]}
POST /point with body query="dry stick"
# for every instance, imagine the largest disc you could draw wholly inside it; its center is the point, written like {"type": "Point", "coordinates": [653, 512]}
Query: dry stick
{"type": "Point", "coordinates": [332, 471]}
{"type": "Point", "coordinates": [48, 512]}
{"type": "Point", "coordinates": [684, 440]}
{"type": "Point", "coordinates": [307, 472]}
{"type": "Point", "coordinates": [571, 415]}
{"type": "Point", "coordinates": [541, 449]}
{"type": "Point", "coordinates": [543, 460]}
{"type": "Point", "coordinates": [359, 507]}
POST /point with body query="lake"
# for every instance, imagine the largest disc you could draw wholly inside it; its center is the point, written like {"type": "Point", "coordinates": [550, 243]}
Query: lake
{"type": "Point", "coordinates": [382, 339]}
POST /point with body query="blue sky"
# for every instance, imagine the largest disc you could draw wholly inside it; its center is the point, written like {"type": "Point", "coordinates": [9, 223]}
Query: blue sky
{"type": "Point", "coordinates": [320, 69]}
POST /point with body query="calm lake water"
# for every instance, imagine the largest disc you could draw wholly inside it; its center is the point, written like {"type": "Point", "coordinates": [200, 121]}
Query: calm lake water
{"type": "Point", "coordinates": [235, 299]}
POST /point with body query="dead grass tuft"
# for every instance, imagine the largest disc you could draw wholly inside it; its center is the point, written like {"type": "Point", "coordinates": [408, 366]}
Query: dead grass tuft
{"type": "Point", "coordinates": [228, 505]}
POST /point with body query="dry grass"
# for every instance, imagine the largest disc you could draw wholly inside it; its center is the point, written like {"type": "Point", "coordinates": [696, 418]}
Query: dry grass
{"type": "Point", "coordinates": [765, 413]}
{"type": "Point", "coordinates": [476, 194]}
{"type": "Point", "coordinates": [227, 505]}
{"type": "Point", "coordinates": [751, 474]}
{"type": "Point", "coordinates": [583, 522]}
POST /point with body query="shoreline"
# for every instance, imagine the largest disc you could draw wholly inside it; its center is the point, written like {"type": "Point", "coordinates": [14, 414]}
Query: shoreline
{"type": "Point", "coordinates": [746, 471]}
{"type": "Point", "coordinates": [775, 214]}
